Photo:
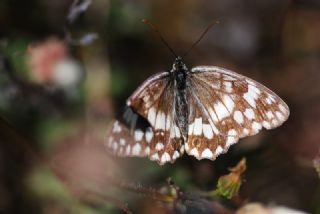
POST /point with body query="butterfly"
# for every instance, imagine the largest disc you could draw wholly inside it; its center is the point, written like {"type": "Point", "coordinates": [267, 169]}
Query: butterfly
{"type": "Point", "coordinates": [202, 112]}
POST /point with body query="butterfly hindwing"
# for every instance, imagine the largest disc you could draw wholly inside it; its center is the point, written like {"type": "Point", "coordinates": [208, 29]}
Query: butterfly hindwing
{"type": "Point", "coordinates": [225, 106]}
{"type": "Point", "coordinates": [129, 136]}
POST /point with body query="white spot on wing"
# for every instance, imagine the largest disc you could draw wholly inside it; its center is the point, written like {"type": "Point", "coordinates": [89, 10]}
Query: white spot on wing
{"type": "Point", "coordinates": [221, 110]}
{"type": "Point", "coordinates": [186, 146]}
{"type": "Point", "coordinates": [238, 117]}
{"type": "Point", "coordinates": [194, 152]}
{"type": "Point", "coordinates": [270, 115]}
{"type": "Point", "coordinates": [149, 135]}
{"type": "Point", "coordinates": [207, 154]}
{"type": "Point", "coordinates": [159, 146]}
{"type": "Point", "coordinates": [197, 126]}
{"type": "Point", "coordinates": [155, 156]}
{"type": "Point", "coordinates": [250, 99]}
{"type": "Point", "coordinates": [207, 131]}
{"type": "Point", "coordinates": [256, 127]}
{"type": "Point", "coordinates": [190, 129]}
{"type": "Point", "coordinates": [160, 121]}
{"type": "Point", "coordinates": [266, 124]}
{"type": "Point", "coordinates": [251, 95]}
{"type": "Point", "coordinates": [254, 89]}
{"type": "Point", "coordinates": [152, 116]}
{"type": "Point", "coordinates": [181, 149]}
{"type": "Point", "coordinates": [280, 116]}
{"type": "Point", "coordinates": [122, 142]}
{"type": "Point", "coordinates": [274, 122]}
{"type": "Point", "coordinates": [219, 150]}
{"type": "Point", "coordinates": [245, 131]}
{"type": "Point", "coordinates": [175, 155]}
{"type": "Point", "coordinates": [228, 86]}
{"type": "Point", "coordinates": [232, 137]}
{"type": "Point", "coordinates": [177, 132]}
{"type": "Point", "coordinates": [228, 102]}
{"type": "Point", "coordinates": [216, 84]}
{"type": "Point", "coordinates": [283, 109]}
{"type": "Point", "coordinates": [270, 99]}
{"type": "Point", "coordinates": [146, 98]}
{"type": "Point", "coordinates": [138, 135]}
{"type": "Point", "coordinates": [168, 122]}
{"type": "Point", "coordinates": [116, 127]}
{"type": "Point", "coordinates": [147, 150]}
{"type": "Point", "coordinates": [165, 157]}
{"type": "Point", "coordinates": [136, 149]}
{"type": "Point", "coordinates": [249, 113]}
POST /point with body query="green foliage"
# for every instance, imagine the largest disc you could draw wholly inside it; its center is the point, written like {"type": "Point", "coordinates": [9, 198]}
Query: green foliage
{"type": "Point", "coordinates": [53, 130]}
{"type": "Point", "coordinates": [15, 50]}
{"type": "Point", "coordinates": [45, 185]}
{"type": "Point", "coordinates": [228, 185]}
{"type": "Point", "coordinates": [119, 81]}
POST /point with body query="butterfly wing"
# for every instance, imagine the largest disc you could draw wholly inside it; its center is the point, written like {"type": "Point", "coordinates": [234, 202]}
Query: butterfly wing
{"type": "Point", "coordinates": [129, 136]}
{"type": "Point", "coordinates": [225, 106]}
{"type": "Point", "coordinates": [160, 139]}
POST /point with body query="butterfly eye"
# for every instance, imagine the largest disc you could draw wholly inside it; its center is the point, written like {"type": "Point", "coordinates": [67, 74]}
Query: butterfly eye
{"type": "Point", "coordinates": [179, 65]}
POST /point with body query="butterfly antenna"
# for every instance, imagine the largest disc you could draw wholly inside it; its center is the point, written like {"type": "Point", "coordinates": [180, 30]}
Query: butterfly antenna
{"type": "Point", "coordinates": [200, 38]}
{"type": "Point", "coordinates": [155, 29]}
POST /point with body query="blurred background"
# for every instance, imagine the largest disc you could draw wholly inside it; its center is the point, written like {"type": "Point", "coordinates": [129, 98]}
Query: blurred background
{"type": "Point", "coordinates": [67, 67]}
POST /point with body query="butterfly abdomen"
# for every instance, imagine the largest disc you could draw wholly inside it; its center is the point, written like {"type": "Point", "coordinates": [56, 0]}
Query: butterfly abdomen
{"type": "Point", "coordinates": [181, 105]}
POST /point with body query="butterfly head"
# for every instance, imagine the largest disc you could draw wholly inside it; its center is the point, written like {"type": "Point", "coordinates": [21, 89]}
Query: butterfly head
{"type": "Point", "coordinates": [179, 65]}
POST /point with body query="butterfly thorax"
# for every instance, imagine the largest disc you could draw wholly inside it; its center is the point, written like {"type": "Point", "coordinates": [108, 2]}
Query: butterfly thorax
{"type": "Point", "coordinates": [179, 73]}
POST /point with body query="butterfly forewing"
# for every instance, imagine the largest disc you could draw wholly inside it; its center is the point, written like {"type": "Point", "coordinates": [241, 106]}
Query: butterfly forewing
{"type": "Point", "coordinates": [161, 140]}
{"type": "Point", "coordinates": [148, 94]}
{"type": "Point", "coordinates": [225, 106]}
